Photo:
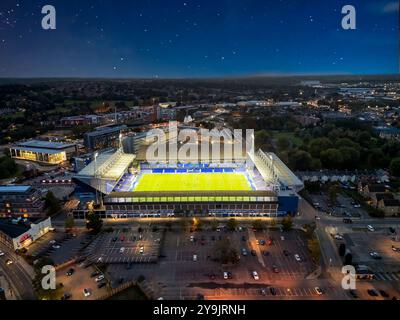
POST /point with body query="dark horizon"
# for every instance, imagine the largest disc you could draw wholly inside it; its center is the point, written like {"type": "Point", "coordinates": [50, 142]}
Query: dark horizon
{"type": "Point", "coordinates": [197, 39]}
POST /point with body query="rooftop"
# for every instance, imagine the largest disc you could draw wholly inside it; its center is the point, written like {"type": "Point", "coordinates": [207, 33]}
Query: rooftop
{"type": "Point", "coordinates": [12, 230]}
{"type": "Point", "coordinates": [14, 189]}
{"type": "Point", "coordinates": [44, 144]}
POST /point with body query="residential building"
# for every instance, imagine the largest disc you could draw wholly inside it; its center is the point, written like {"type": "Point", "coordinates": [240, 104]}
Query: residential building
{"type": "Point", "coordinates": [20, 201]}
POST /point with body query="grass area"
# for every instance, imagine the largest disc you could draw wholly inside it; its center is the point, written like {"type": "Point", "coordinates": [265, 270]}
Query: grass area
{"type": "Point", "coordinates": [296, 141]}
{"type": "Point", "coordinates": [192, 182]}
{"type": "Point", "coordinates": [132, 293]}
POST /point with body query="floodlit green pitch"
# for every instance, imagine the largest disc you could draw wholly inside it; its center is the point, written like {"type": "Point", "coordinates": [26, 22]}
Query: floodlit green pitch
{"type": "Point", "coordinates": [192, 182]}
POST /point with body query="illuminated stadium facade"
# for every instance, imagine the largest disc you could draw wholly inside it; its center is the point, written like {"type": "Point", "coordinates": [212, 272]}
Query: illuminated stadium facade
{"type": "Point", "coordinates": [263, 186]}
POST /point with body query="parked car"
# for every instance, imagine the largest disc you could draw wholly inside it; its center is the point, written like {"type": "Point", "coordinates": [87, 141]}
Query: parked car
{"type": "Point", "coordinates": [275, 269]}
{"type": "Point", "coordinates": [225, 275]}
{"type": "Point", "coordinates": [244, 252]}
{"type": "Point", "coordinates": [370, 228]}
{"type": "Point", "coordinates": [70, 272]}
{"type": "Point", "coordinates": [99, 278]}
{"type": "Point", "coordinates": [354, 294]}
{"type": "Point", "coordinates": [1, 253]}
{"type": "Point", "coordinates": [286, 253]}
{"type": "Point", "coordinates": [87, 292]}
{"type": "Point", "coordinates": [255, 275]}
{"type": "Point", "coordinates": [375, 255]}
{"type": "Point", "coordinates": [253, 252]}
{"type": "Point", "coordinates": [194, 257]}
{"type": "Point", "coordinates": [373, 292]}
{"type": "Point", "coordinates": [95, 274]}
{"type": "Point", "coordinates": [297, 257]}
{"type": "Point", "coordinates": [384, 293]}
{"type": "Point", "coordinates": [122, 250]}
{"type": "Point", "coordinates": [272, 290]}
{"type": "Point", "coordinates": [265, 253]}
{"type": "Point", "coordinates": [66, 296]}
{"type": "Point", "coordinates": [318, 291]}
{"type": "Point", "coordinates": [101, 285]}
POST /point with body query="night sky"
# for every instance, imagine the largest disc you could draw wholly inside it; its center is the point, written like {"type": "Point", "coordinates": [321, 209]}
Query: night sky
{"type": "Point", "coordinates": [197, 38]}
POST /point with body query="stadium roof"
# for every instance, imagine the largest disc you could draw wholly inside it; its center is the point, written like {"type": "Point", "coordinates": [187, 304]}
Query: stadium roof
{"type": "Point", "coordinates": [105, 130]}
{"type": "Point", "coordinates": [217, 193]}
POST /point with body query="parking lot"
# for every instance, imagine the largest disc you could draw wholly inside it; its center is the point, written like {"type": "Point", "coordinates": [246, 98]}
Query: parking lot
{"type": "Point", "coordinates": [345, 206]}
{"type": "Point", "coordinates": [362, 242]}
{"type": "Point", "coordinates": [186, 264]}
{"type": "Point", "coordinates": [124, 246]}
{"type": "Point", "coordinates": [80, 279]}
{"type": "Point", "coordinates": [59, 246]}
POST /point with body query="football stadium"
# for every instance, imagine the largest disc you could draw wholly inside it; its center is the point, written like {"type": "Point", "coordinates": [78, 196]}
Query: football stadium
{"type": "Point", "coordinates": [261, 187]}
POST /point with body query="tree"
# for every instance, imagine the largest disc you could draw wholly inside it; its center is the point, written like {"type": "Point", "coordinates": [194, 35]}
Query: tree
{"type": "Point", "coordinates": [214, 225]}
{"type": "Point", "coordinates": [395, 167]}
{"type": "Point", "coordinates": [225, 252]}
{"type": "Point", "coordinates": [309, 230]}
{"type": "Point", "coordinates": [94, 222]}
{"type": "Point", "coordinates": [8, 167]}
{"type": "Point", "coordinates": [350, 157]}
{"type": "Point", "coordinates": [283, 143]}
{"type": "Point", "coordinates": [231, 224]}
{"type": "Point", "coordinates": [333, 193]}
{"type": "Point", "coordinates": [348, 259]}
{"type": "Point", "coordinates": [314, 248]}
{"type": "Point", "coordinates": [300, 160]}
{"type": "Point", "coordinates": [259, 225]}
{"type": "Point", "coordinates": [318, 145]}
{"type": "Point", "coordinates": [69, 222]}
{"type": "Point", "coordinates": [342, 249]}
{"type": "Point", "coordinates": [331, 158]}
{"type": "Point", "coordinates": [287, 223]}
{"type": "Point", "coordinates": [52, 203]}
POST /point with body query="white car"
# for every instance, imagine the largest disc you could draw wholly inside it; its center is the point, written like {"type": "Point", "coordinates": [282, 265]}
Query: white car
{"type": "Point", "coordinates": [1, 253]}
{"type": "Point", "coordinates": [99, 278]}
{"type": "Point", "coordinates": [282, 238]}
{"type": "Point", "coordinates": [357, 206]}
{"type": "Point", "coordinates": [297, 257]}
{"type": "Point", "coordinates": [86, 292]}
{"type": "Point", "coordinates": [9, 261]}
{"type": "Point", "coordinates": [255, 275]}
{"type": "Point", "coordinates": [318, 290]}
{"type": "Point", "coordinates": [52, 241]}
{"type": "Point", "coordinates": [225, 275]}
{"type": "Point", "coordinates": [56, 246]}
{"type": "Point", "coordinates": [191, 238]}
{"type": "Point", "coordinates": [122, 250]}
{"type": "Point", "coordinates": [370, 228]}
{"type": "Point", "coordinates": [195, 257]}
{"type": "Point", "coordinates": [141, 250]}
{"type": "Point", "coordinates": [338, 237]}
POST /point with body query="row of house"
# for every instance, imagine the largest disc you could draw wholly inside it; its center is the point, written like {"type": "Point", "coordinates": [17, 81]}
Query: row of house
{"type": "Point", "coordinates": [380, 197]}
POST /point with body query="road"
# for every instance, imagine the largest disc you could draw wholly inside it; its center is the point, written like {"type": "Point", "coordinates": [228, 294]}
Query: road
{"type": "Point", "coordinates": [18, 275]}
